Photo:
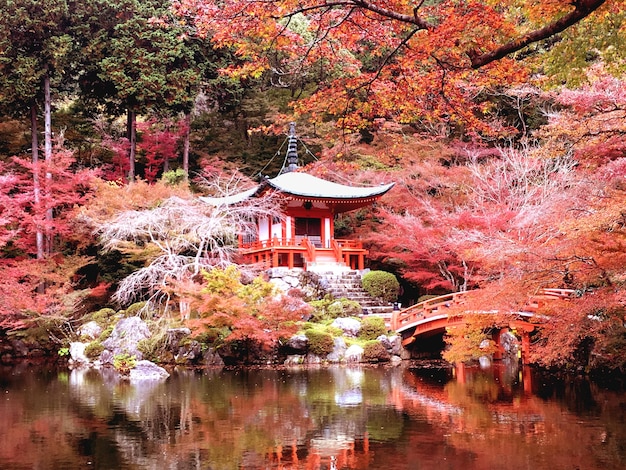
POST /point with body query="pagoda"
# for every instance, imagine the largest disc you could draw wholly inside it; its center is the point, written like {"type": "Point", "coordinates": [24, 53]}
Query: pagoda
{"type": "Point", "coordinates": [304, 236]}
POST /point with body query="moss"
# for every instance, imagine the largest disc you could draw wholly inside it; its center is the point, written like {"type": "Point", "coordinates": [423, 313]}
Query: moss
{"type": "Point", "coordinates": [330, 308]}
{"type": "Point", "coordinates": [94, 349]}
{"type": "Point", "coordinates": [135, 309]}
{"type": "Point", "coordinates": [372, 327]}
{"type": "Point", "coordinates": [103, 316]}
{"type": "Point", "coordinates": [106, 333]}
{"type": "Point", "coordinates": [374, 351]}
{"type": "Point", "coordinates": [320, 342]}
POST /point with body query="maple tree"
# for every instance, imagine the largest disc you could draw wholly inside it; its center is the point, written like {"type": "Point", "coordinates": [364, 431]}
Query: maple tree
{"type": "Point", "coordinates": [251, 313]}
{"type": "Point", "coordinates": [178, 237]}
{"type": "Point", "coordinates": [418, 63]}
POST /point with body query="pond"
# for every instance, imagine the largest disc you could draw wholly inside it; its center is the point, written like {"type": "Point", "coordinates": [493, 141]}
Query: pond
{"type": "Point", "coordinates": [327, 418]}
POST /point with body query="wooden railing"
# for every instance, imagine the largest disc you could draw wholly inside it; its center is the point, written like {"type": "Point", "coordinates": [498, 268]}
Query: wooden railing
{"type": "Point", "coordinates": [433, 307]}
{"type": "Point", "coordinates": [272, 242]}
{"type": "Point", "coordinates": [337, 250]}
{"type": "Point", "coordinates": [280, 242]}
{"type": "Point", "coordinates": [310, 249]}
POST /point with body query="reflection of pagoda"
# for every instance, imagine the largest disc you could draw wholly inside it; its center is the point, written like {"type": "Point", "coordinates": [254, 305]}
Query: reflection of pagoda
{"type": "Point", "coordinates": [304, 237]}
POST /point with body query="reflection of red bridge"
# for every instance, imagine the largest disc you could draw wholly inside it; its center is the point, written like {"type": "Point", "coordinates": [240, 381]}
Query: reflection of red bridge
{"type": "Point", "coordinates": [434, 316]}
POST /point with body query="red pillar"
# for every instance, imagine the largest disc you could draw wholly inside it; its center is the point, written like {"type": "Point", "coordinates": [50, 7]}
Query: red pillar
{"type": "Point", "coordinates": [525, 346]}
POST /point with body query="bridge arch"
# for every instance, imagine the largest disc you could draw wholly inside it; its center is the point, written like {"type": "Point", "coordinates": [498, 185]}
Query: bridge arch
{"type": "Point", "coordinates": [434, 316]}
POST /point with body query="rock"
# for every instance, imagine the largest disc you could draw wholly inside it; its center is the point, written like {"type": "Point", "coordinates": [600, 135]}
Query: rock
{"type": "Point", "coordinates": [146, 370]}
{"type": "Point", "coordinates": [354, 353]}
{"type": "Point", "coordinates": [90, 330]}
{"type": "Point", "coordinates": [125, 336]}
{"type": "Point", "coordinates": [339, 350]}
{"type": "Point", "coordinates": [395, 360]}
{"type": "Point", "coordinates": [77, 354]}
{"type": "Point", "coordinates": [294, 360]}
{"type": "Point", "coordinates": [384, 340]}
{"type": "Point", "coordinates": [396, 345]}
{"type": "Point", "coordinates": [175, 335]}
{"type": "Point", "coordinates": [349, 326]}
{"type": "Point", "coordinates": [106, 357]}
{"type": "Point", "coordinates": [189, 352]}
{"type": "Point", "coordinates": [280, 284]}
{"type": "Point", "coordinates": [212, 358]}
{"type": "Point", "coordinates": [312, 359]}
{"type": "Point", "coordinates": [298, 343]}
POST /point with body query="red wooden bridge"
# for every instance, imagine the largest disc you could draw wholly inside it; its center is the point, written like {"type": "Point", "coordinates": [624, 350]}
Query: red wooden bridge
{"type": "Point", "coordinates": [434, 316]}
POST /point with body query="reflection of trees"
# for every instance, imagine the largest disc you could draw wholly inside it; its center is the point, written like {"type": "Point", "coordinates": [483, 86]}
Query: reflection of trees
{"type": "Point", "coordinates": [297, 419]}
{"type": "Point", "coordinates": [492, 418]}
{"type": "Point", "coordinates": [245, 418]}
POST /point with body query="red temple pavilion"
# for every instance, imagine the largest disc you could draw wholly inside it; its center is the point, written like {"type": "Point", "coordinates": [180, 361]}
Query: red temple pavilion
{"type": "Point", "coordinates": [304, 237]}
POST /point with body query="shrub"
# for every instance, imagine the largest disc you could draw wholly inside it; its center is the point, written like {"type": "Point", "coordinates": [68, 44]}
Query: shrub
{"type": "Point", "coordinates": [136, 309]}
{"type": "Point", "coordinates": [374, 351]}
{"type": "Point", "coordinates": [372, 327]}
{"type": "Point", "coordinates": [124, 362]}
{"type": "Point", "coordinates": [94, 349]}
{"type": "Point", "coordinates": [102, 317]}
{"type": "Point", "coordinates": [329, 308]}
{"type": "Point", "coordinates": [382, 285]}
{"type": "Point", "coordinates": [320, 343]}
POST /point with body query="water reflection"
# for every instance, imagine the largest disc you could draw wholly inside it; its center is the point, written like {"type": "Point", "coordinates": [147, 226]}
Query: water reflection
{"type": "Point", "coordinates": [342, 418]}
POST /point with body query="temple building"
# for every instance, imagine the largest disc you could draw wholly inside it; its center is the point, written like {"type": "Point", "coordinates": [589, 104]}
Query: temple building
{"type": "Point", "coordinates": [304, 237]}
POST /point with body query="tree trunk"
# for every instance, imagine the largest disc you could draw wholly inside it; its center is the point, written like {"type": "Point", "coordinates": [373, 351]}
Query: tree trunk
{"type": "Point", "coordinates": [48, 158]}
{"type": "Point", "coordinates": [131, 130]}
{"type": "Point", "coordinates": [186, 138]}
{"type": "Point", "coordinates": [36, 183]}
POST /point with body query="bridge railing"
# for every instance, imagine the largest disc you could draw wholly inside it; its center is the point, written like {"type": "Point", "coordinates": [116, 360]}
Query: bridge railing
{"type": "Point", "coordinates": [433, 307]}
{"type": "Point", "coordinates": [423, 310]}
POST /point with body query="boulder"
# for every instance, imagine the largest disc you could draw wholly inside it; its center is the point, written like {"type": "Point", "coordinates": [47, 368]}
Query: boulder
{"type": "Point", "coordinates": [125, 336]}
{"type": "Point", "coordinates": [175, 335]}
{"type": "Point", "coordinates": [354, 353]}
{"type": "Point", "coordinates": [298, 343]}
{"type": "Point", "coordinates": [294, 360]}
{"type": "Point", "coordinates": [146, 370]}
{"type": "Point", "coordinates": [77, 354]}
{"type": "Point", "coordinates": [90, 330]}
{"type": "Point", "coordinates": [339, 350]}
{"type": "Point", "coordinates": [349, 326]}
{"type": "Point", "coordinates": [212, 358]}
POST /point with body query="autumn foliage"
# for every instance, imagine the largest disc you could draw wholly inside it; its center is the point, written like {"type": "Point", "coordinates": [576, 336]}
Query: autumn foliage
{"type": "Point", "coordinates": [251, 313]}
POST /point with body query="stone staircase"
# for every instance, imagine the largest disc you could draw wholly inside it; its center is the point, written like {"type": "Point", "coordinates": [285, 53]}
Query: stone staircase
{"type": "Point", "coordinates": [348, 284]}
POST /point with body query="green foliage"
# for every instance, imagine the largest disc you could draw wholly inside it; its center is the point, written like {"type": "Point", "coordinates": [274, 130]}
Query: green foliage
{"type": "Point", "coordinates": [372, 327]}
{"type": "Point", "coordinates": [63, 352]}
{"type": "Point", "coordinates": [174, 177]}
{"type": "Point", "coordinates": [320, 342]}
{"type": "Point", "coordinates": [154, 346]}
{"type": "Point", "coordinates": [124, 362]}
{"type": "Point", "coordinates": [106, 333]}
{"type": "Point", "coordinates": [382, 285]}
{"type": "Point", "coordinates": [94, 349]}
{"type": "Point", "coordinates": [329, 308]}
{"type": "Point", "coordinates": [374, 351]}
{"type": "Point", "coordinates": [103, 316]}
{"type": "Point", "coordinates": [136, 309]}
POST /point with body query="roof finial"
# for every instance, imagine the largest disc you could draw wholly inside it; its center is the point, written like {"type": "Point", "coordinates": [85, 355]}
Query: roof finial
{"type": "Point", "coordinates": [292, 149]}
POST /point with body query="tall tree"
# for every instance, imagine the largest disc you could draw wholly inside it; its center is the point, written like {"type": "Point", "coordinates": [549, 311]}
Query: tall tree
{"type": "Point", "coordinates": [140, 61]}
{"type": "Point", "coordinates": [35, 49]}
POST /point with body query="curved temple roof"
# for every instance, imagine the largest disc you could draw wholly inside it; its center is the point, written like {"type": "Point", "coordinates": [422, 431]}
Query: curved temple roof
{"type": "Point", "coordinates": [304, 185]}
